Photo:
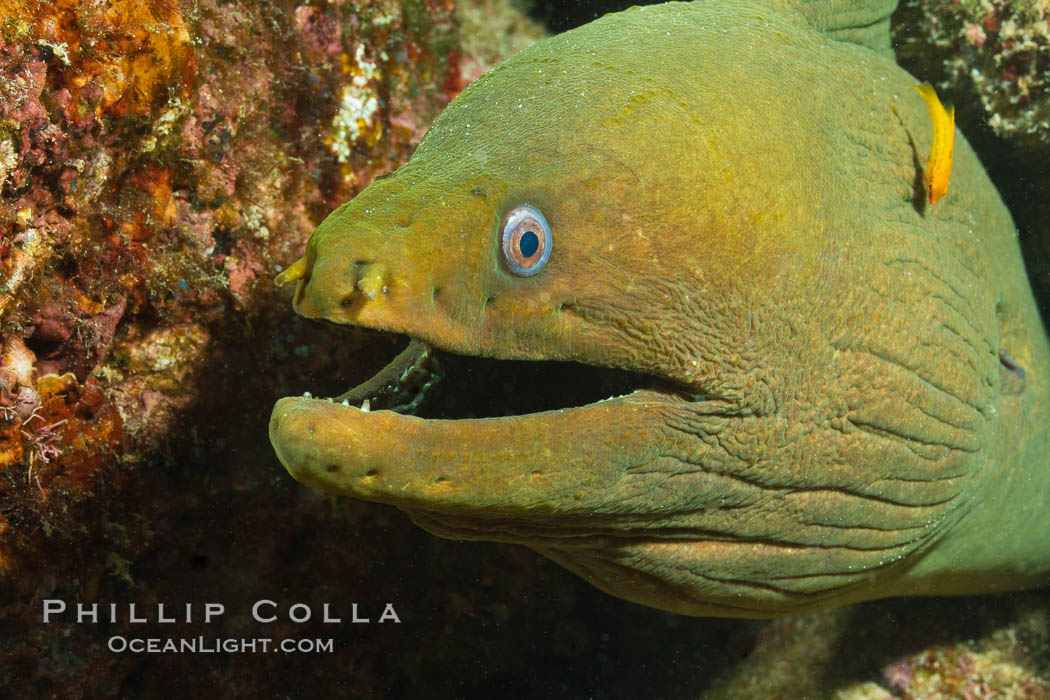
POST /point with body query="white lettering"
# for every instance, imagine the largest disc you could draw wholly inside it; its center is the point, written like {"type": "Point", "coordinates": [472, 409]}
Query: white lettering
{"type": "Point", "coordinates": [356, 618]}
{"type": "Point", "coordinates": [85, 611]}
{"type": "Point", "coordinates": [213, 610]}
{"type": "Point", "coordinates": [304, 616]}
{"type": "Point", "coordinates": [256, 608]}
{"type": "Point", "coordinates": [53, 607]}
{"type": "Point", "coordinates": [327, 615]}
{"type": "Point", "coordinates": [389, 614]}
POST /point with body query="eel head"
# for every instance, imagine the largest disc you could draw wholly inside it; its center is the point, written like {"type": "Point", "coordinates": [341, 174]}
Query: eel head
{"type": "Point", "coordinates": [685, 407]}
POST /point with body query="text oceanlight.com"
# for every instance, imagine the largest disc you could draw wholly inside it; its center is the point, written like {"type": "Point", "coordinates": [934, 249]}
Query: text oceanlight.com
{"type": "Point", "coordinates": [204, 645]}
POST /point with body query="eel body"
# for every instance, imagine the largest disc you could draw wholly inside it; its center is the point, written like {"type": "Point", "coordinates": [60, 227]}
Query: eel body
{"type": "Point", "coordinates": [847, 390]}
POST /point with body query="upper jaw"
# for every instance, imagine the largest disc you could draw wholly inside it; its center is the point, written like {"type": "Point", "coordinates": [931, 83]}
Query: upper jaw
{"type": "Point", "coordinates": [467, 317]}
{"type": "Point", "coordinates": [369, 295]}
{"type": "Point", "coordinates": [378, 271]}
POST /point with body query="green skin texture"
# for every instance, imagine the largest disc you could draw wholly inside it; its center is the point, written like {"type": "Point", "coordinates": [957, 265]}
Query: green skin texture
{"type": "Point", "coordinates": [736, 205]}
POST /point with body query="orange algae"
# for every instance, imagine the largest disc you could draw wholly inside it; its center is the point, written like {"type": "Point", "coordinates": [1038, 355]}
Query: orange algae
{"type": "Point", "coordinates": [138, 51]}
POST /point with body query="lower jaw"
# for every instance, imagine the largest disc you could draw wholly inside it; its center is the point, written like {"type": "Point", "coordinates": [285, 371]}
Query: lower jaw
{"type": "Point", "coordinates": [468, 466]}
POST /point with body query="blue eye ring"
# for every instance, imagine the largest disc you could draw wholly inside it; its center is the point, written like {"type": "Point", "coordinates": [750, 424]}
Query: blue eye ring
{"type": "Point", "coordinates": [525, 241]}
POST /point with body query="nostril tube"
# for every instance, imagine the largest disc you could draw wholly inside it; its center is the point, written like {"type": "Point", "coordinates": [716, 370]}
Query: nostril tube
{"type": "Point", "coordinates": [296, 271]}
{"type": "Point", "coordinates": [372, 280]}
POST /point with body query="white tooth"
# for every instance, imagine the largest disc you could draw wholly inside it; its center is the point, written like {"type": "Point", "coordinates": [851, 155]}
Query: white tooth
{"type": "Point", "coordinates": [307, 395]}
{"type": "Point", "coordinates": [366, 405]}
{"type": "Point", "coordinates": [346, 402]}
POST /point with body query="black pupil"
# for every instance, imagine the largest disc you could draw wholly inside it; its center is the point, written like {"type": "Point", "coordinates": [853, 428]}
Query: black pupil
{"type": "Point", "coordinates": [528, 244]}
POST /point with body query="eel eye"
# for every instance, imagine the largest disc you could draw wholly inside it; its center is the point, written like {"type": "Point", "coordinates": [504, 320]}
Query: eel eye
{"type": "Point", "coordinates": [526, 241]}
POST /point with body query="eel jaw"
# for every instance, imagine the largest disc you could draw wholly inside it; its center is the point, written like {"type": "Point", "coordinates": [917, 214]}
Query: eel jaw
{"type": "Point", "coordinates": [401, 384]}
{"type": "Point", "coordinates": [474, 468]}
{"type": "Point", "coordinates": [363, 444]}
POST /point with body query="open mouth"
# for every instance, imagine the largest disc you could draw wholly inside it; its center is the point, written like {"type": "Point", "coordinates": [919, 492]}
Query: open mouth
{"type": "Point", "coordinates": [429, 383]}
{"type": "Point", "coordinates": [452, 437]}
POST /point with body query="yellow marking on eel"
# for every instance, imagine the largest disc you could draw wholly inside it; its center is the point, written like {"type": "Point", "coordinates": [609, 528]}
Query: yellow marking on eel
{"type": "Point", "coordinates": [939, 164]}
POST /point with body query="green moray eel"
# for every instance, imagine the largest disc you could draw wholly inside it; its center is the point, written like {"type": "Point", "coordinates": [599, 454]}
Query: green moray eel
{"type": "Point", "coordinates": [846, 392]}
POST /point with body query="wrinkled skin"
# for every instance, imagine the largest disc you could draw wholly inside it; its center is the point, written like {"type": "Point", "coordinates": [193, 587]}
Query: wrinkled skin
{"type": "Point", "coordinates": [859, 404]}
